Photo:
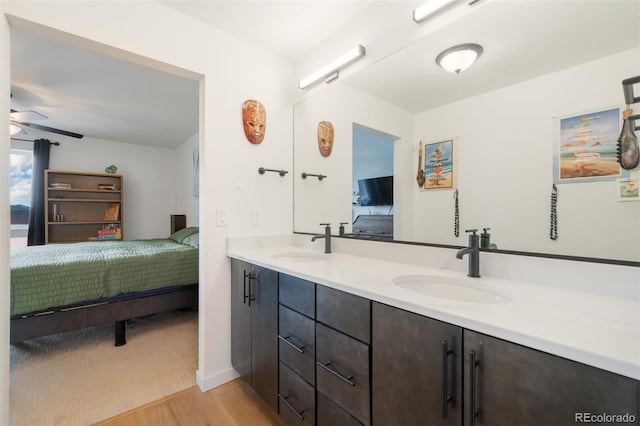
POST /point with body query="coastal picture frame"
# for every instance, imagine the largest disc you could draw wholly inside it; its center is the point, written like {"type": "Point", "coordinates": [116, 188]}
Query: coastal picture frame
{"type": "Point", "coordinates": [439, 165]}
{"type": "Point", "coordinates": [585, 147]}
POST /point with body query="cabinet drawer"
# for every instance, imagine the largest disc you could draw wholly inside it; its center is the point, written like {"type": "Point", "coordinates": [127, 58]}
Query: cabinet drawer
{"type": "Point", "coordinates": [298, 294]}
{"type": "Point", "coordinates": [342, 371]}
{"type": "Point", "coordinates": [297, 336]}
{"type": "Point", "coordinates": [296, 399]}
{"type": "Point", "coordinates": [345, 312]}
{"type": "Point", "coordinates": [330, 414]}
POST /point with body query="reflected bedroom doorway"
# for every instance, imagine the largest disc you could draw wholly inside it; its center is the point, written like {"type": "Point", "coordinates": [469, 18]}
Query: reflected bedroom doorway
{"type": "Point", "coordinates": [372, 186]}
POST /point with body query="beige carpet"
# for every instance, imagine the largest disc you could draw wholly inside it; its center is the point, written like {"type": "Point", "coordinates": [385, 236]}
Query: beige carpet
{"type": "Point", "coordinates": [80, 377]}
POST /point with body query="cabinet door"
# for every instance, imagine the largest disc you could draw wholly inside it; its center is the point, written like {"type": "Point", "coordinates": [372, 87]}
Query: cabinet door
{"type": "Point", "coordinates": [297, 399]}
{"type": "Point", "coordinates": [297, 343]}
{"type": "Point", "coordinates": [416, 366]}
{"type": "Point", "coordinates": [342, 372]}
{"type": "Point", "coordinates": [240, 319]}
{"type": "Point", "coordinates": [264, 334]}
{"type": "Point", "coordinates": [509, 384]}
{"type": "Point", "coordinates": [344, 311]}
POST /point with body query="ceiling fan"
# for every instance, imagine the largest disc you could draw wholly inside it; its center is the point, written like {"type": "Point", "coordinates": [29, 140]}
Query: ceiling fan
{"type": "Point", "coordinates": [25, 118]}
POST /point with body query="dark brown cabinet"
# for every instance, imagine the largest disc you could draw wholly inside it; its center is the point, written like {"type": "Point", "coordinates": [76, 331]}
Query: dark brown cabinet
{"type": "Point", "coordinates": [297, 342]}
{"type": "Point", "coordinates": [254, 328]}
{"type": "Point", "coordinates": [416, 369]}
{"type": "Point", "coordinates": [296, 398]}
{"type": "Point", "coordinates": [508, 384]}
{"type": "Point", "coordinates": [428, 372]}
{"type": "Point", "coordinates": [321, 356]}
{"type": "Point", "coordinates": [343, 334]}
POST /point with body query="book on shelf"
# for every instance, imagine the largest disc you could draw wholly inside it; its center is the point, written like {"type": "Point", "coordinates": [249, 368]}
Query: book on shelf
{"type": "Point", "coordinates": [108, 237]}
{"type": "Point", "coordinates": [108, 186]}
{"type": "Point", "coordinates": [112, 211]}
{"type": "Point", "coordinates": [109, 234]}
{"type": "Point", "coordinates": [58, 185]}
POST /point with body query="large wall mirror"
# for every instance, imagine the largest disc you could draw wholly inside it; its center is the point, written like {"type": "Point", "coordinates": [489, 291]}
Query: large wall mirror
{"type": "Point", "coordinates": [505, 116]}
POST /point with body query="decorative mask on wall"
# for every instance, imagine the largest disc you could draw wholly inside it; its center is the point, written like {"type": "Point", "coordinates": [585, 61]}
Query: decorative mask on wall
{"type": "Point", "coordinates": [254, 121]}
{"type": "Point", "coordinates": [325, 138]}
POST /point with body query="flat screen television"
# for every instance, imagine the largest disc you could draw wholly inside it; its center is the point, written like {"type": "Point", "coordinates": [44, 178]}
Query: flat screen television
{"type": "Point", "coordinates": [376, 191]}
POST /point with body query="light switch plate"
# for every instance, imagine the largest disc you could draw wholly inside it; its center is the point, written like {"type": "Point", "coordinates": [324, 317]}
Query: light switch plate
{"type": "Point", "coordinates": [222, 217]}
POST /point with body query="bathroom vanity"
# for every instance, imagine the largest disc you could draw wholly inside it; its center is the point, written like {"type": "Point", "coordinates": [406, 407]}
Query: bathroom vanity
{"type": "Point", "coordinates": [359, 341]}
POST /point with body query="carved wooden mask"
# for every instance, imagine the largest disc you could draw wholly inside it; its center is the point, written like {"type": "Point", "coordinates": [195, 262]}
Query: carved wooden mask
{"type": "Point", "coordinates": [325, 138]}
{"type": "Point", "coordinates": [254, 120]}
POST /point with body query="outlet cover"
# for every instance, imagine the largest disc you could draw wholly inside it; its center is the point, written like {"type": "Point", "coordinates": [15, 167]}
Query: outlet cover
{"type": "Point", "coordinates": [256, 216]}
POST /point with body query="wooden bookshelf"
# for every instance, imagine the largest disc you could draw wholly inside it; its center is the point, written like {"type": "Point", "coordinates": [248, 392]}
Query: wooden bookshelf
{"type": "Point", "coordinates": [75, 206]}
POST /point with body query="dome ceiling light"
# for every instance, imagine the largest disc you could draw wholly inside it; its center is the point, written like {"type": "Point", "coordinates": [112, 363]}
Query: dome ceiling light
{"type": "Point", "coordinates": [459, 58]}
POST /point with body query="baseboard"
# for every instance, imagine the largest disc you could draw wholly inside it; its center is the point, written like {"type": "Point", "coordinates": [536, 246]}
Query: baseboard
{"type": "Point", "coordinates": [215, 380]}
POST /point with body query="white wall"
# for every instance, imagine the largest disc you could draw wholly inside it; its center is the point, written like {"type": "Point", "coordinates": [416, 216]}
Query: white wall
{"type": "Point", "coordinates": [330, 200]}
{"type": "Point", "coordinates": [5, 222]}
{"type": "Point", "coordinates": [185, 201]}
{"type": "Point", "coordinates": [505, 169]}
{"type": "Point", "coordinates": [229, 178]}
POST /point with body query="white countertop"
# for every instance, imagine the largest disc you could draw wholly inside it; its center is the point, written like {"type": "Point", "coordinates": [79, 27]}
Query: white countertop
{"type": "Point", "coordinates": [592, 329]}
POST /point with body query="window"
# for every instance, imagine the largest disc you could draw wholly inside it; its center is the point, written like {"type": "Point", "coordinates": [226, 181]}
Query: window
{"type": "Point", "coordinates": [20, 188]}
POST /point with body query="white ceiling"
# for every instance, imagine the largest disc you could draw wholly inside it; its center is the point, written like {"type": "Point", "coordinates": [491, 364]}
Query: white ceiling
{"type": "Point", "coordinates": [108, 98]}
{"type": "Point", "coordinates": [99, 96]}
{"type": "Point", "coordinates": [521, 40]}
{"type": "Point", "coordinates": [288, 28]}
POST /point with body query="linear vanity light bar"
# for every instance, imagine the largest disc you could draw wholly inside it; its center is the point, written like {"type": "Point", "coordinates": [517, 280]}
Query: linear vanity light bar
{"type": "Point", "coordinates": [333, 67]}
{"type": "Point", "coordinates": [430, 8]}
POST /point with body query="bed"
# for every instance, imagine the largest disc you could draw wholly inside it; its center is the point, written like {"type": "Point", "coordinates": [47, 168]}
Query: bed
{"type": "Point", "coordinates": [63, 287]}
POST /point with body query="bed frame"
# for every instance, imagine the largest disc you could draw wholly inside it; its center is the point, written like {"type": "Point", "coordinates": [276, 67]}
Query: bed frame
{"type": "Point", "coordinates": [75, 317]}
{"type": "Point", "coordinates": [117, 309]}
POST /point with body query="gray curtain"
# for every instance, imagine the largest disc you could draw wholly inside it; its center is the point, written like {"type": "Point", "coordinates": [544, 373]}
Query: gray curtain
{"type": "Point", "coordinates": [37, 220]}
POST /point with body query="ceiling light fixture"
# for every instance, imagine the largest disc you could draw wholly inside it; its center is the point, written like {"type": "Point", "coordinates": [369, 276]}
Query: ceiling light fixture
{"type": "Point", "coordinates": [13, 129]}
{"type": "Point", "coordinates": [430, 8]}
{"type": "Point", "coordinates": [459, 58]}
{"type": "Point", "coordinates": [331, 69]}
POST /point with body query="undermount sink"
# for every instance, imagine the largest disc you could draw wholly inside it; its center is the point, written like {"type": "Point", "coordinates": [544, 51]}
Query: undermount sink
{"type": "Point", "coordinates": [300, 257]}
{"type": "Point", "coordinates": [468, 290]}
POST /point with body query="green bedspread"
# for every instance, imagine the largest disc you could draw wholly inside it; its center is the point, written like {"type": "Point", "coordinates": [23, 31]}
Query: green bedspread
{"type": "Point", "coordinates": [54, 275]}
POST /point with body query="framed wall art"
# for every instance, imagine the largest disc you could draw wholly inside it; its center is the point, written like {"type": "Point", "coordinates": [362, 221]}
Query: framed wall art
{"type": "Point", "coordinates": [438, 165]}
{"type": "Point", "coordinates": [585, 147]}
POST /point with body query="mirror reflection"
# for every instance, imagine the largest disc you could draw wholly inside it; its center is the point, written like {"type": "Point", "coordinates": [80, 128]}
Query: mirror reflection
{"type": "Point", "coordinates": [505, 120]}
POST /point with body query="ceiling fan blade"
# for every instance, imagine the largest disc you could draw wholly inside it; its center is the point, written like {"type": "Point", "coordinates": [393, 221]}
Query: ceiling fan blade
{"type": "Point", "coordinates": [26, 115]}
{"type": "Point", "coordinates": [52, 130]}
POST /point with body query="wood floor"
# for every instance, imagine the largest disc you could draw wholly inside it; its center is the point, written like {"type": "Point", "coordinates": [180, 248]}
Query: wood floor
{"type": "Point", "coordinates": [234, 403]}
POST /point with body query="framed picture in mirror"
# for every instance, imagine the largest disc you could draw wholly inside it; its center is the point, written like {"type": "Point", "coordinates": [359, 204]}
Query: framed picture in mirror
{"type": "Point", "coordinates": [439, 166]}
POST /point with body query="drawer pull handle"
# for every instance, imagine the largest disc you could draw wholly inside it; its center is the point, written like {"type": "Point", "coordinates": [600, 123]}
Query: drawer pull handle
{"type": "Point", "coordinates": [291, 407]}
{"type": "Point", "coordinates": [288, 342]}
{"type": "Point", "coordinates": [335, 373]}
{"type": "Point", "coordinates": [446, 396]}
{"type": "Point", "coordinates": [247, 294]}
{"type": "Point", "coordinates": [474, 382]}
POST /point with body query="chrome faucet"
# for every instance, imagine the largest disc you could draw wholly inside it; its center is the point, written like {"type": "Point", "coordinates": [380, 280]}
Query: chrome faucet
{"type": "Point", "coordinates": [326, 236]}
{"type": "Point", "coordinates": [474, 253]}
